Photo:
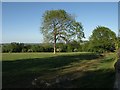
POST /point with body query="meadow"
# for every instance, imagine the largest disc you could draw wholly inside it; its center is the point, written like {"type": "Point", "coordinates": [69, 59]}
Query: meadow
{"type": "Point", "coordinates": [83, 69]}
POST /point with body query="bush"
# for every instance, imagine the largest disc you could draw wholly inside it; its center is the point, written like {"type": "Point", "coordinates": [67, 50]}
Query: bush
{"type": "Point", "coordinates": [47, 48]}
{"type": "Point", "coordinates": [30, 50]}
{"type": "Point", "coordinates": [61, 47]}
{"type": "Point", "coordinates": [24, 50]}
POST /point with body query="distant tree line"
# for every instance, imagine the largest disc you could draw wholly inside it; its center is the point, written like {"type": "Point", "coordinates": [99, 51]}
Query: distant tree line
{"type": "Point", "coordinates": [73, 46]}
{"type": "Point", "coordinates": [21, 47]}
{"type": "Point", "coordinates": [61, 47]}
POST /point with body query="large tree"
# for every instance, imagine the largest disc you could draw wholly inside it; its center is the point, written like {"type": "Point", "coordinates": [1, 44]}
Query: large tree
{"type": "Point", "coordinates": [102, 39]}
{"type": "Point", "coordinates": [58, 25]}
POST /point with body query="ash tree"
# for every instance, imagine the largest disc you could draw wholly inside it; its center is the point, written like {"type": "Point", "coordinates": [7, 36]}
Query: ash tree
{"type": "Point", "coordinates": [58, 25]}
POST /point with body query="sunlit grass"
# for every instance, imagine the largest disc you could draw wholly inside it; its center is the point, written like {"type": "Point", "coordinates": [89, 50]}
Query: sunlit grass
{"type": "Point", "coordinates": [14, 56]}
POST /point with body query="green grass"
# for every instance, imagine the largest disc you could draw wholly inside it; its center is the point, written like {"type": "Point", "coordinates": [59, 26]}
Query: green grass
{"type": "Point", "coordinates": [85, 69]}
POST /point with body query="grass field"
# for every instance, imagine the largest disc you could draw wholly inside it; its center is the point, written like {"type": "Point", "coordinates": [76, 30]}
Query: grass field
{"type": "Point", "coordinates": [84, 70]}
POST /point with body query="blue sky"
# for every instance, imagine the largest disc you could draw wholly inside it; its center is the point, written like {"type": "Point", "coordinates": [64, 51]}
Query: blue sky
{"type": "Point", "coordinates": [21, 21]}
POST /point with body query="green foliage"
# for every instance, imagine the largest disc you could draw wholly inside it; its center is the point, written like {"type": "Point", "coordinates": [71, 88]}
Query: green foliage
{"type": "Point", "coordinates": [58, 25]}
{"type": "Point", "coordinates": [53, 23]}
{"type": "Point", "coordinates": [24, 50]}
{"type": "Point", "coordinates": [85, 46]}
{"type": "Point", "coordinates": [47, 47]}
{"type": "Point", "coordinates": [118, 42]}
{"type": "Point", "coordinates": [16, 47]}
{"type": "Point", "coordinates": [69, 47]}
{"type": "Point", "coordinates": [62, 24]}
{"type": "Point", "coordinates": [73, 46]}
{"type": "Point", "coordinates": [20, 47]}
{"type": "Point", "coordinates": [13, 47]}
{"type": "Point", "coordinates": [6, 48]}
{"type": "Point", "coordinates": [37, 48]}
{"type": "Point", "coordinates": [62, 47]}
{"type": "Point", "coordinates": [102, 39]}
{"type": "Point", "coordinates": [76, 30]}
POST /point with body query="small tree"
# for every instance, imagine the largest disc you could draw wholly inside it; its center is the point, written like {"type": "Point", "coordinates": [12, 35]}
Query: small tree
{"type": "Point", "coordinates": [58, 25]}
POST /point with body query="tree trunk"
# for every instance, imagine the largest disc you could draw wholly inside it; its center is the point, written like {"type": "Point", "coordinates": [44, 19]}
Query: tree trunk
{"type": "Point", "coordinates": [54, 42]}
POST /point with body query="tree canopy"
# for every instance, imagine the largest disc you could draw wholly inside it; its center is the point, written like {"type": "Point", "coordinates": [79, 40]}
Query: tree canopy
{"type": "Point", "coordinates": [102, 39]}
{"type": "Point", "coordinates": [58, 25]}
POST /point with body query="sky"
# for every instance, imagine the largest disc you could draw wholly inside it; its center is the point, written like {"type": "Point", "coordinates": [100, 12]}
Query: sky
{"type": "Point", "coordinates": [21, 21]}
{"type": "Point", "coordinates": [60, 0]}
{"type": "Point", "coordinates": [0, 22]}
{"type": "Point", "coordinates": [119, 17]}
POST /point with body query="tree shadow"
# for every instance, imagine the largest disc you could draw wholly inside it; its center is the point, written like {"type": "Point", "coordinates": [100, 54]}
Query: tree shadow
{"type": "Point", "coordinates": [20, 73]}
{"type": "Point", "coordinates": [88, 79]}
{"type": "Point", "coordinates": [51, 62]}
{"type": "Point", "coordinates": [96, 79]}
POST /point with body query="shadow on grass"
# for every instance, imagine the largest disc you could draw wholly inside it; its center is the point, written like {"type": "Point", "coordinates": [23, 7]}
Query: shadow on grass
{"type": "Point", "coordinates": [20, 73]}
{"type": "Point", "coordinates": [96, 79]}
{"type": "Point", "coordinates": [46, 63]}
{"type": "Point", "coordinates": [88, 79]}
